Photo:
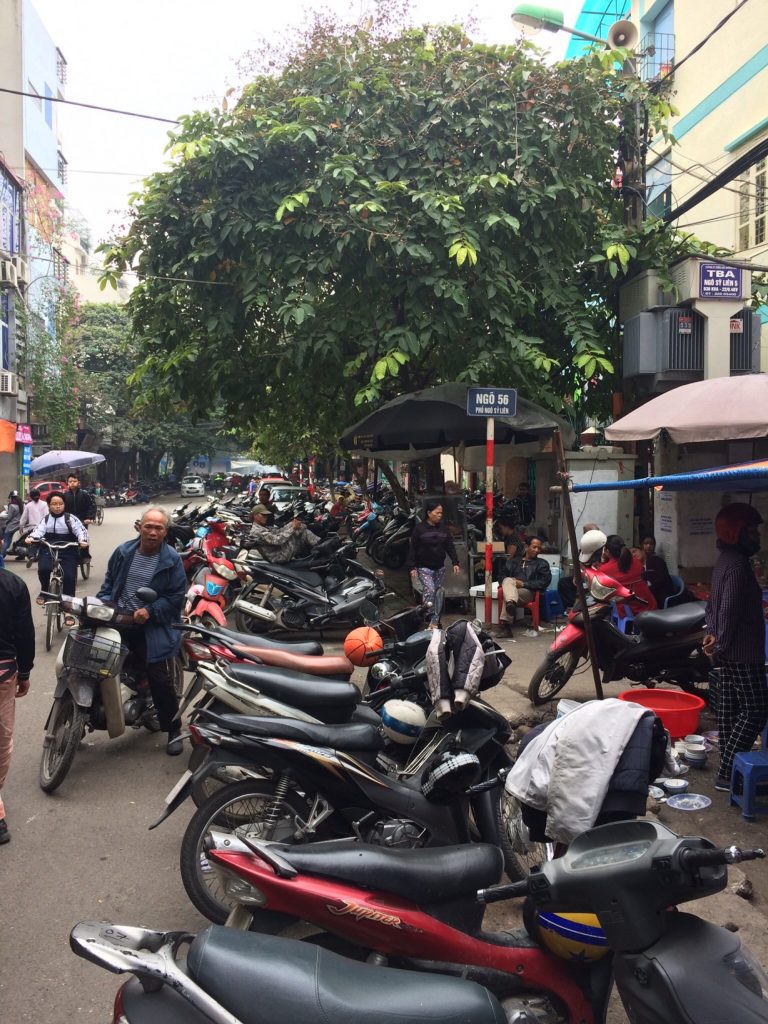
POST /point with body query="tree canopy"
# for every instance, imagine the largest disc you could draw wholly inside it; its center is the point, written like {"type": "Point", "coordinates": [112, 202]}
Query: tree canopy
{"type": "Point", "coordinates": [385, 211]}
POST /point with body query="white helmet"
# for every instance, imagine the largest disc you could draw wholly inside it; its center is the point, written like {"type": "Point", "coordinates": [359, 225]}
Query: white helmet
{"type": "Point", "coordinates": [402, 721]}
{"type": "Point", "coordinates": [591, 542]}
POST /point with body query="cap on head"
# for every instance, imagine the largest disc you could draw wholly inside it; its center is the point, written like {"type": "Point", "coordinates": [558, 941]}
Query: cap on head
{"type": "Point", "coordinates": [260, 510]}
{"type": "Point", "coordinates": [591, 541]}
{"type": "Point", "coordinates": [731, 520]}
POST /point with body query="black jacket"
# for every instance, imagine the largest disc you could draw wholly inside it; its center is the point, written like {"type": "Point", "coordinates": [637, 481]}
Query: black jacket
{"type": "Point", "coordinates": [17, 630]}
{"type": "Point", "coordinates": [535, 573]}
{"type": "Point", "coordinates": [429, 546]}
{"type": "Point", "coordinates": [79, 503]}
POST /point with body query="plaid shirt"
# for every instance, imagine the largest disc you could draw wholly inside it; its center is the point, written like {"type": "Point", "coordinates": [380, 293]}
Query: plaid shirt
{"type": "Point", "coordinates": [281, 545]}
{"type": "Point", "coordinates": [735, 610]}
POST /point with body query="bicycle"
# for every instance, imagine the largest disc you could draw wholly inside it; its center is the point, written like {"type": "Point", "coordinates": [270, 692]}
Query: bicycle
{"type": "Point", "coordinates": [100, 502]}
{"type": "Point", "coordinates": [53, 611]}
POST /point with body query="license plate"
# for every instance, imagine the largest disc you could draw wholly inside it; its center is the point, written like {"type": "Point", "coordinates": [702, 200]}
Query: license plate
{"type": "Point", "coordinates": [179, 786]}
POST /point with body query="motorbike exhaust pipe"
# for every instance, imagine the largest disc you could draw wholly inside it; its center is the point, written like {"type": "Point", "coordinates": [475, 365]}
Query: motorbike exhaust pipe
{"type": "Point", "coordinates": [256, 610]}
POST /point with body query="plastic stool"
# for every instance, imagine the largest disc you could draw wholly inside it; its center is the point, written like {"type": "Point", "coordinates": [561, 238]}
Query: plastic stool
{"type": "Point", "coordinates": [622, 617]}
{"type": "Point", "coordinates": [552, 605]}
{"type": "Point", "coordinates": [752, 767]}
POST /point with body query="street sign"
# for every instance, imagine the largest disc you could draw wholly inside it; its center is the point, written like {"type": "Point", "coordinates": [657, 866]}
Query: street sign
{"type": "Point", "coordinates": [737, 325]}
{"type": "Point", "coordinates": [491, 402]}
{"type": "Point", "coordinates": [717, 281]}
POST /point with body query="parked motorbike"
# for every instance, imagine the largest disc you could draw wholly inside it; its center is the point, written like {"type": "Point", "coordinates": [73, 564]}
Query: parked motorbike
{"type": "Point", "coordinates": [282, 597]}
{"type": "Point", "coordinates": [666, 646]}
{"type": "Point", "coordinates": [91, 691]}
{"type": "Point", "coordinates": [309, 782]}
{"type": "Point", "coordinates": [669, 967]}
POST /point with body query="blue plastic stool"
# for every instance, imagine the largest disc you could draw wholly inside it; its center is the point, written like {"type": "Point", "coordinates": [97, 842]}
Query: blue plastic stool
{"type": "Point", "coordinates": [551, 605]}
{"type": "Point", "coordinates": [624, 623]}
{"type": "Point", "coordinates": [752, 768]}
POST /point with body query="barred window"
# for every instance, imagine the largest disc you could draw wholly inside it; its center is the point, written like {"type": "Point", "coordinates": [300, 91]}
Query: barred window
{"type": "Point", "coordinates": [753, 206]}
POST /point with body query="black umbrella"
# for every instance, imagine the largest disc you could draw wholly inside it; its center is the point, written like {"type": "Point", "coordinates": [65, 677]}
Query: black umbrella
{"type": "Point", "coordinates": [424, 423]}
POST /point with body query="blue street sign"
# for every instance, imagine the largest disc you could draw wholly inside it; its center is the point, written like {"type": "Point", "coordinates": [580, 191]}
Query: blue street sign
{"type": "Point", "coordinates": [716, 281]}
{"type": "Point", "coordinates": [491, 402]}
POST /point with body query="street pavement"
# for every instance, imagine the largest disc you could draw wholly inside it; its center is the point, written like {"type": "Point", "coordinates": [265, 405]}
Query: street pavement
{"type": "Point", "coordinates": [85, 852]}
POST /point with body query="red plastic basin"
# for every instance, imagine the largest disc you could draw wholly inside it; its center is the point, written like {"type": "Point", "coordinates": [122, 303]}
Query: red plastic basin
{"type": "Point", "coordinates": [677, 710]}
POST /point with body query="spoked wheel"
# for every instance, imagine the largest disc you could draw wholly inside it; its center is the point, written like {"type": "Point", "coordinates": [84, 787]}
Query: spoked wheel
{"type": "Point", "coordinates": [551, 676]}
{"type": "Point", "coordinates": [85, 567]}
{"type": "Point", "coordinates": [62, 738]}
{"type": "Point", "coordinates": [243, 810]}
{"type": "Point", "coordinates": [520, 852]}
{"type": "Point", "coordinates": [99, 515]}
{"type": "Point", "coordinates": [52, 613]}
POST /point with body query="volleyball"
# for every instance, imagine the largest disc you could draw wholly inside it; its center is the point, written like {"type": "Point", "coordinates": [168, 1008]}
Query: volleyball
{"type": "Point", "coordinates": [361, 644]}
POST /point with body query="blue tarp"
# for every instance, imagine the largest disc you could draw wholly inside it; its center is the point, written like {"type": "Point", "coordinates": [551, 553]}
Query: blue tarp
{"type": "Point", "coordinates": [748, 476]}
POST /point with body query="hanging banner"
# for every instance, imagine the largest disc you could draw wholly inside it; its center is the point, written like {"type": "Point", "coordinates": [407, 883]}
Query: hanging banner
{"type": "Point", "coordinates": [23, 433]}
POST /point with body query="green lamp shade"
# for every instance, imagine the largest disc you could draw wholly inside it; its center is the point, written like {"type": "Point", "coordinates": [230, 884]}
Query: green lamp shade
{"type": "Point", "coordinates": [537, 17]}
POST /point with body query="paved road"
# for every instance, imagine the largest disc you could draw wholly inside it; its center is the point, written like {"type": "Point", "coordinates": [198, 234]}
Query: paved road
{"type": "Point", "coordinates": [84, 851]}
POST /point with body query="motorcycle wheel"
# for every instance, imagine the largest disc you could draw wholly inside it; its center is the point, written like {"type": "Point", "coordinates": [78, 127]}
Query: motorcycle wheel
{"type": "Point", "coordinates": [239, 809]}
{"type": "Point", "coordinates": [85, 568]}
{"type": "Point", "coordinates": [376, 550]}
{"type": "Point", "coordinates": [394, 557]}
{"type": "Point", "coordinates": [551, 676]}
{"type": "Point", "coordinates": [519, 851]}
{"type": "Point", "coordinates": [249, 623]}
{"type": "Point", "coordinates": [67, 728]}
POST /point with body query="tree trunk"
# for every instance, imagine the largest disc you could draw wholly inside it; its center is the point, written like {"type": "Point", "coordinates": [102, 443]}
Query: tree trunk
{"type": "Point", "coordinates": [394, 483]}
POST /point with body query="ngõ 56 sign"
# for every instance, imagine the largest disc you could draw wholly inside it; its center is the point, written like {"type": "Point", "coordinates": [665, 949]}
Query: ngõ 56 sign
{"type": "Point", "coordinates": [491, 402]}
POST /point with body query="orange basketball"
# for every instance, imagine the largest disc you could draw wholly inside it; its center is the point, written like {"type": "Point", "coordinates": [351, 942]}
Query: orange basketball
{"type": "Point", "coordinates": [361, 643]}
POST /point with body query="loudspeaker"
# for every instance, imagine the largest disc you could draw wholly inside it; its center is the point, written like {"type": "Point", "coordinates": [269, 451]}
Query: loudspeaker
{"type": "Point", "coordinates": [623, 34]}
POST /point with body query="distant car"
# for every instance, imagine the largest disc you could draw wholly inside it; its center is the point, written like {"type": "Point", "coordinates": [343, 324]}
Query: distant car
{"type": "Point", "coordinates": [274, 481]}
{"type": "Point", "coordinates": [192, 487]}
{"type": "Point", "coordinates": [47, 487]}
{"type": "Point", "coordinates": [283, 494]}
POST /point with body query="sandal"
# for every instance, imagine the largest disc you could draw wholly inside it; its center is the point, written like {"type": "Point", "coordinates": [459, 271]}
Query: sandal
{"type": "Point", "coordinates": [40, 600]}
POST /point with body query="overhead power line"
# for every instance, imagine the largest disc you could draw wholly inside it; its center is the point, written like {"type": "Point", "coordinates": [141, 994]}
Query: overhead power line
{"type": "Point", "coordinates": [657, 84]}
{"type": "Point", "coordinates": [88, 106]}
{"type": "Point", "coordinates": [733, 170]}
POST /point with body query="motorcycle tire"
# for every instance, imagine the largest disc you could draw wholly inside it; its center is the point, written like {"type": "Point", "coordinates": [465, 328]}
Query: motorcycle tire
{"type": "Point", "coordinates": [394, 557]}
{"type": "Point", "coordinates": [67, 727]}
{"type": "Point", "coordinates": [85, 568]}
{"type": "Point", "coordinates": [376, 550]}
{"type": "Point", "coordinates": [520, 852]}
{"type": "Point", "coordinates": [239, 809]}
{"type": "Point", "coordinates": [551, 676]}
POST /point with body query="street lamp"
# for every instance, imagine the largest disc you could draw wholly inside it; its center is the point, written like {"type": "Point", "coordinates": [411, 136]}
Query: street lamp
{"type": "Point", "coordinates": [536, 17]}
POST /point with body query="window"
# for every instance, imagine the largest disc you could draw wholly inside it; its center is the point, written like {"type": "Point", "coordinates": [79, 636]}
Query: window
{"type": "Point", "coordinates": [61, 67]}
{"type": "Point", "coordinates": [5, 328]}
{"type": "Point", "coordinates": [753, 199]}
{"type": "Point", "coordinates": [658, 191]}
{"type": "Point", "coordinates": [61, 164]}
{"type": "Point", "coordinates": [48, 106]}
{"type": "Point", "coordinates": [10, 215]}
{"type": "Point", "coordinates": [657, 50]}
{"type": "Point", "coordinates": [60, 267]}
{"type": "Point", "coordinates": [36, 97]}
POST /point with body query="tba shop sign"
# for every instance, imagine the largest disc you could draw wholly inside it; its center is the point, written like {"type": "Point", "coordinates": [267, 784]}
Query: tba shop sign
{"type": "Point", "coordinates": [716, 281]}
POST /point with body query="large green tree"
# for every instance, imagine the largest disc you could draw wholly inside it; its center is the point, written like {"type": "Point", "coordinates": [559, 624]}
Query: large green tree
{"type": "Point", "coordinates": [105, 354]}
{"type": "Point", "coordinates": [384, 211]}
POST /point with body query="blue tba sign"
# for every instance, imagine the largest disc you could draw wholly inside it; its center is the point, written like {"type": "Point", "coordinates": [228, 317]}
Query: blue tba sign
{"type": "Point", "coordinates": [491, 402]}
{"type": "Point", "coordinates": [716, 281]}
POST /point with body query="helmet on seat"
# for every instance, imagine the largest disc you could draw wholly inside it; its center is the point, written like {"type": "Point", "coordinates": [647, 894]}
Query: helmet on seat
{"type": "Point", "coordinates": [731, 520]}
{"type": "Point", "coordinates": [448, 775]}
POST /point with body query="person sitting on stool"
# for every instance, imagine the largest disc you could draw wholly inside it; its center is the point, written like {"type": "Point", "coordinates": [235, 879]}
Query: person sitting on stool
{"type": "Point", "coordinates": [524, 576]}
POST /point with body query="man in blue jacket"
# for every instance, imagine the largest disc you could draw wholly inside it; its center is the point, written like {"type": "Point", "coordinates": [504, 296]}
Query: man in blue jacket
{"type": "Point", "coordinates": [150, 562]}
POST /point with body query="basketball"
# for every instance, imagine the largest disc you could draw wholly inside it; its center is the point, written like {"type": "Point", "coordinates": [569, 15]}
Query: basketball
{"type": "Point", "coordinates": [361, 643]}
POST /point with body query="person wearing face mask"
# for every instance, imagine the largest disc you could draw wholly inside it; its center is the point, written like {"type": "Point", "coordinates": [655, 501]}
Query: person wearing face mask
{"type": "Point", "coordinates": [58, 527]}
{"type": "Point", "coordinates": [736, 636]}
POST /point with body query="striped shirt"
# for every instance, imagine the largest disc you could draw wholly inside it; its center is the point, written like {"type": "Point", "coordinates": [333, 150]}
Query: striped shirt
{"type": "Point", "coordinates": [143, 568]}
{"type": "Point", "coordinates": [735, 610]}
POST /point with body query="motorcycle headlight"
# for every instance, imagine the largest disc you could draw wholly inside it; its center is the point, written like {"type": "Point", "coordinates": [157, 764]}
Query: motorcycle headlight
{"type": "Point", "coordinates": [382, 670]}
{"type": "Point", "coordinates": [225, 572]}
{"type": "Point", "coordinates": [100, 612]}
{"type": "Point", "coordinates": [600, 592]}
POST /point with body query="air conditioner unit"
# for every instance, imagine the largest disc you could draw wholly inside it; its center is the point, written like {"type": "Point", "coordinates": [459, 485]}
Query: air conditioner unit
{"type": "Point", "coordinates": [9, 383]}
{"type": "Point", "coordinates": [22, 269]}
{"type": "Point", "coordinates": [8, 274]}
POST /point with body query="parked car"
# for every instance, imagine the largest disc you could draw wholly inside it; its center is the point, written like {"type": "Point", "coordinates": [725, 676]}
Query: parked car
{"type": "Point", "coordinates": [192, 487]}
{"type": "Point", "coordinates": [283, 494]}
{"type": "Point", "coordinates": [47, 487]}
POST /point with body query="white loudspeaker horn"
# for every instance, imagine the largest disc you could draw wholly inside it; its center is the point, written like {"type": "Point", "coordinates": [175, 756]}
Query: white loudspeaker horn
{"type": "Point", "coordinates": [623, 35]}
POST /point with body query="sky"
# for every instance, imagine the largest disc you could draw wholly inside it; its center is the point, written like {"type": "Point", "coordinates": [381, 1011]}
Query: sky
{"type": "Point", "coordinates": [168, 57]}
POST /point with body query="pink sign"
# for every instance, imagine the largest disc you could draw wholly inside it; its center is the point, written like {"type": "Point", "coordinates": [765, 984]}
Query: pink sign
{"type": "Point", "coordinates": [23, 433]}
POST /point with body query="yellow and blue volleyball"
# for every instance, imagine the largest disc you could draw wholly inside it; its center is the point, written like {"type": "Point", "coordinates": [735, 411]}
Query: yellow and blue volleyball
{"type": "Point", "coordinates": [574, 937]}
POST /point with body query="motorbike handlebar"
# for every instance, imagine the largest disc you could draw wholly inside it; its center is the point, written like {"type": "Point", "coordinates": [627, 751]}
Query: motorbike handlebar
{"type": "Point", "coordinates": [691, 860]}
{"type": "Point", "coordinates": [497, 893]}
{"type": "Point", "coordinates": [498, 780]}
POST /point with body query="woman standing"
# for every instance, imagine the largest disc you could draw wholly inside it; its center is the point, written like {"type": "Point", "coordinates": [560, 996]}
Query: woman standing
{"type": "Point", "coordinates": [430, 543]}
{"type": "Point", "coordinates": [58, 527]}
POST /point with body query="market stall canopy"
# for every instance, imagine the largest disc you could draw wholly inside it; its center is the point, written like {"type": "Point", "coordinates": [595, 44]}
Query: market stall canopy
{"type": "Point", "coordinates": [747, 476]}
{"type": "Point", "coordinates": [720, 409]}
{"type": "Point", "coordinates": [57, 461]}
{"type": "Point", "coordinates": [425, 423]}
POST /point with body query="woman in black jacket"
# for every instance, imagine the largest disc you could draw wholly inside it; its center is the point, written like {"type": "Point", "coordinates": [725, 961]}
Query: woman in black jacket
{"type": "Point", "coordinates": [430, 543]}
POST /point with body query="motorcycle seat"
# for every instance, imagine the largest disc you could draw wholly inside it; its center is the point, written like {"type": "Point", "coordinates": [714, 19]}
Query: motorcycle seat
{"type": "Point", "coordinates": [307, 576]}
{"type": "Point", "coordinates": [300, 690]}
{"type": "Point", "coordinates": [432, 875]}
{"type": "Point", "coordinates": [254, 641]}
{"type": "Point", "coordinates": [350, 737]}
{"type": "Point", "coordinates": [311, 664]}
{"type": "Point", "coordinates": [259, 977]}
{"type": "Point", "coordinates": [682, 618]}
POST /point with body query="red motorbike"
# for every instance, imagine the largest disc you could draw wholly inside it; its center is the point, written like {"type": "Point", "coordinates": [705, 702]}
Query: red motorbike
{"type": "Point", "coordinates": [664, 647]}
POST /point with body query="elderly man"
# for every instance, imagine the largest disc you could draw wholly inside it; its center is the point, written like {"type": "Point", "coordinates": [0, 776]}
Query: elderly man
{"type": "Point", "coordinates": [279, 545]}
{"type": "Point", "coordinates": [524, 576]}
{"type": "Point", "coordinates": [150, 562]}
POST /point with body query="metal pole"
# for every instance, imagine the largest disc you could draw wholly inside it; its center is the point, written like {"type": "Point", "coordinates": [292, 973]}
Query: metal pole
{"type": "Point", "coordinates": [489, 435]}
{"type": "Point", "coordinates": [562, 473]}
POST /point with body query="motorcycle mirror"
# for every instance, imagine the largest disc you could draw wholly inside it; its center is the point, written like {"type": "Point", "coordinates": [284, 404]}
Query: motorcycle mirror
{"type": "Point", "coordinates": [146, 594]}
